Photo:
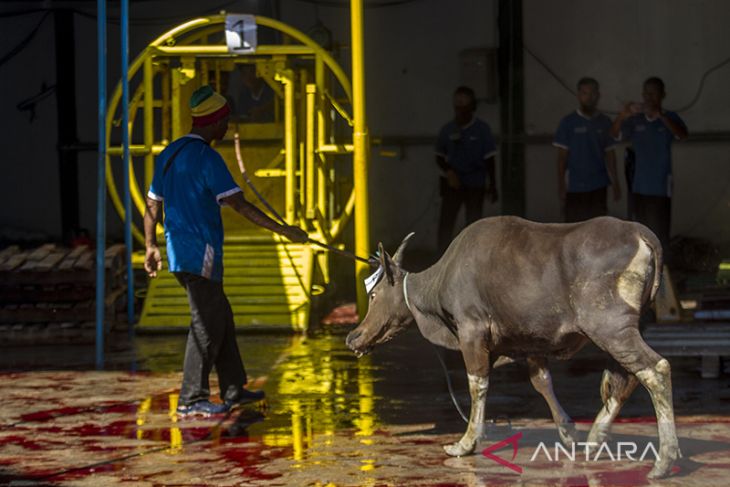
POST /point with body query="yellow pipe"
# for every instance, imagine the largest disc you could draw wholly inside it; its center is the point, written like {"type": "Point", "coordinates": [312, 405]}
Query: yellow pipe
{"type": "Point", "coordinates": [149, 120]}
{"type": "Point", "coordinates": [291, 50]}
{"type": "Point", "coordinates": [166, 105]}
{"type": "Point", "coordinates": [360, 159]}
{"type": "Point", "coordinates": [176, 122]}
{"type": "Point", "coordinates": [303, 82]}
{"type": "Point", "coordinates": [137, 150]}
{"type": "Point", "coordinates": [339, 223]}
{"type": "Point", "coordinates": [285, 76]}
{"type": "Point", "coordinates": [336, 148]}
{"type": "Point", "coordinates": [176, 36]}
{"type": "Point", "coordinates": [310, 121]}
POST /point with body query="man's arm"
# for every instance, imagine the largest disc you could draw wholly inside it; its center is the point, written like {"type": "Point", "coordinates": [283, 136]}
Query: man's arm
{"type": "Point", "coordinates": [619, 120]}
{"type": "Point", "coordinates": [450, 174]}
{"type": "Point", "coordinates": [254, 215]}
{"type": "Point", "coordinates": [562, 167]}
{"type": "Point", "coordinates": [611, 167]}
{"type": "Point", "coordinates": [677, 129]}
{"type": "Point", "coordinates": [152, 216]}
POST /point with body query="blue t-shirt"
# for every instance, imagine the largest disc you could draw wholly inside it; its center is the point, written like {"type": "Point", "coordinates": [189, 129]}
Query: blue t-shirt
{"type": "Point", "coordinates": [586, 139]}
{"type": "Point", "coordinates": [191, 189]}
{"type": "Point", "coordinates": [652, 143]}
{"type": "Point", "coordinates": [466, 150]}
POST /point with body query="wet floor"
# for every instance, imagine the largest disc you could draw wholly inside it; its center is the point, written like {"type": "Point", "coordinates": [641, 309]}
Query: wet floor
{"type": "Point", "coordinates": [330, 419]}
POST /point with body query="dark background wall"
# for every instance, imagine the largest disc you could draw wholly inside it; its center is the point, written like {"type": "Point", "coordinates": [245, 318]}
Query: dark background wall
{"type": "Point", "coordinates": [412, 59]}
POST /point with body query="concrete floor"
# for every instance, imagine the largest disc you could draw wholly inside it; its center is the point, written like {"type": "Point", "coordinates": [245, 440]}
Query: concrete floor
{"type": "Point", "coordinates": [330, 419]}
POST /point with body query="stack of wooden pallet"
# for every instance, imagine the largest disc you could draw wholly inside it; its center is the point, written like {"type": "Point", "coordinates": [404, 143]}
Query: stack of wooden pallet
{"type": "Point", "coordinates": [47, 294]}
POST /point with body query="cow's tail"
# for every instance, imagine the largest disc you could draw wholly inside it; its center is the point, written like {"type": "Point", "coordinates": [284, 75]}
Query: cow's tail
{"type": "Point", "coordinates": [656, 251]}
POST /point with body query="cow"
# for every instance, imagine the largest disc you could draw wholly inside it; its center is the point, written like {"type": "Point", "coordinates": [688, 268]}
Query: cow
{"type": "Point", "coordinates": [508, 289]}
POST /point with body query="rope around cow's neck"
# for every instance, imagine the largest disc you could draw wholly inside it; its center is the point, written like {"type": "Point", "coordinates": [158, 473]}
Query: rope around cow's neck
{"type": "Point", "coordinates": [405, 292]}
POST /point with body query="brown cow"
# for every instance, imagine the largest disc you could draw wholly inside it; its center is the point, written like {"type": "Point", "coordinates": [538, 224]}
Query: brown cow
{"type": "Point", "coordinates": [511, 288]}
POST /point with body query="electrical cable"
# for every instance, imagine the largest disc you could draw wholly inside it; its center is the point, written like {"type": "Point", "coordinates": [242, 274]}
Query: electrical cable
{"type": "Point", "coordinates": [331, 248]}
{"type": "Point", "coordinates": [448, 384]}
{"type": "Point", "coordinates": [24, 43]}
{"type": "Point", "coordinates": [116, 20]}
{"type": "Point", "coordinates": [692, 102]}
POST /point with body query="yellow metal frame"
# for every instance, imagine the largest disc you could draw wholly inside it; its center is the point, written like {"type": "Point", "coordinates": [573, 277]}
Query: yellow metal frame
{"type": "Point", "coordinates": [182, 59]}
{"type": "Point", "coordinates": [154, 60]}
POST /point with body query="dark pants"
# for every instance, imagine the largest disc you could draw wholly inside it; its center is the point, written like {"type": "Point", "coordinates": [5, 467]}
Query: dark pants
{"type": "Point", "coordinates": [584, 206]}
{"type": "Point", "coordinates": [451, 201]}
{"type": "Point", "coordinates": [655, 212]}
{"type": "Point", "coordinates": [211, 341]}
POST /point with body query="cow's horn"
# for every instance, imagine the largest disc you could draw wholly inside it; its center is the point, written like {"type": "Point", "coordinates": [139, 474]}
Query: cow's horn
{"type": "Point", "coordinates": [398, 256]}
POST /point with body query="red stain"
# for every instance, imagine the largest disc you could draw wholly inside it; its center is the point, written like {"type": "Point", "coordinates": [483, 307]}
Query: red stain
{"type": "Point", "coordinates": [160, 402]}
{"type": "Point", "coordinates": [620, 478]}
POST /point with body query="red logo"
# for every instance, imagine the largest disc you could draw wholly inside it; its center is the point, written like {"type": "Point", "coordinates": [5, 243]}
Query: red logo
{"type": "Point", "coordinates": [512, 440]}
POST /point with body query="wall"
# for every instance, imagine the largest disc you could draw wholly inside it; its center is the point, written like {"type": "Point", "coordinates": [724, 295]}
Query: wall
{"type": "Point", "coordinates": [621, 43]}
{"type": "Point", "coordinates": [412, 68]}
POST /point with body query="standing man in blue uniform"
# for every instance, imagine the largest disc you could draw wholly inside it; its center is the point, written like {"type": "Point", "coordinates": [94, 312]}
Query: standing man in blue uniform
{"type": "Point", "coordinates": [651, 130]}
{"type": "Point", "coordinates": [586, 159]}
{"type": "Point", "coordinates": [193, 181]}
{"type": "Point", "coordinates": [465, 152]}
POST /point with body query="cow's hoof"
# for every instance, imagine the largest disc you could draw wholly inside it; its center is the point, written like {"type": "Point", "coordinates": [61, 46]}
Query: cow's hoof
{"type": "Point", "coordinates": [663, 466]}
{"type": "Point", "coordinates": [458, 450]}
{"type": "Point", "coordinates": [568, 437]}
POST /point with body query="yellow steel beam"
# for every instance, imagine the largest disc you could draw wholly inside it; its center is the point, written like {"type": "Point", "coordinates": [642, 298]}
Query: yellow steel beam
{"type": "Point", "coordinates": [286, 77]}
{"type": "Point", "coordinates": [336, 148]}
{"type": "Point", "coordinates": [290, 50]}
{"type": "Point", "coordinates": [360, 140]}
{"type": "Point", "coordinates": [310, 161]}
{"type": "Point", "coordinates": [194, 31]}
{"type": "Point", "coordinates": [137, 150]}
{"type": "Point", "coordinates": [149, 120]}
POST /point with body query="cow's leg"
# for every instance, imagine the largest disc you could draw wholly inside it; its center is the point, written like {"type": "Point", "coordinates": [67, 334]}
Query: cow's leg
{"type": "Point", "coordinates": [616, 387]}
{"type": "Point", "coordinates": [476, 359]}
{"type": "Point", "coordinates": [628, 348]}
{"type": "Point", "coordinates": [543, 383]}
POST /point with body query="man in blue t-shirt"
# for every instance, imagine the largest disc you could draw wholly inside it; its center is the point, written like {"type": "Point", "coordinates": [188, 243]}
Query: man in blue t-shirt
{"type": "Point", "coordinates": [192, 181]}
{"type": "Point", "coordinates": [586, 160]}
{"type": "Point", "coordinates": [651, 130]}
{"type": "Point", "coordinates": [465, 152]}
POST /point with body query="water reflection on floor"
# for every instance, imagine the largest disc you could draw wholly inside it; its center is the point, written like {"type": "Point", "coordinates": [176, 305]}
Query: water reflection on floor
{"type": "Point", "coordinates": [330, 419]}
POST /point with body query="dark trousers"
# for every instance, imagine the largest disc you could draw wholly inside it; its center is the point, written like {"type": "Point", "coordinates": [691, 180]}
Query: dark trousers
{"type": "Point", "coordinates": [211, 341]}
{"type": "Point", "coordinates": [656, 213]}
{"type": "Point", "coordinates": [451, 201]}
{"type": "Point", "coordinates": [584, 206]}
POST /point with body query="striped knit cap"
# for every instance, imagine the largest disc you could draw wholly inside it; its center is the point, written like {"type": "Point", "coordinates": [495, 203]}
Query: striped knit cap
{"type": "Point", "coordinates": [207, 106]}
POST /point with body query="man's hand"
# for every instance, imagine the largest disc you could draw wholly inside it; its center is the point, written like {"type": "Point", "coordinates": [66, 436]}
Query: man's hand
{"type": "Point", "coordinates": [152, 260]}
{"type": "Point", "coordinates": [453, 179]}
{"type": "Point", "coordinates": [295, 234]}
{"type": "Point", "coordinates": [652, 112]}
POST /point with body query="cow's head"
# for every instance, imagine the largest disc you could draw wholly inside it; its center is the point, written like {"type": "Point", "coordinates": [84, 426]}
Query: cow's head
{"type": "Point", "coordinates": [388, 313]}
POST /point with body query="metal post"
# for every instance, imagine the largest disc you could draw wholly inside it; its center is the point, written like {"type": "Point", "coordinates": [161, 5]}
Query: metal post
{"type": "Point", "coordinates": [127, 165]}
{"type": "Point", "coordinates": [68, 170]}
{"type": "Point", "coordinates": [361, 149]}
{"type": "Point", "coordinates": [101, 182]}
{"type": "Point", "coordinates": [512, 103]}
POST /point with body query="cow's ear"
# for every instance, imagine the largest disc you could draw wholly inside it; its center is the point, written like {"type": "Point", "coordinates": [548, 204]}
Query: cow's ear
{"type": "Point", "coordinates": [381, 254]}
{"type": "Point", "coordinates": [386, 263]}
{"type": "Point", "coordinates": [398, 256]}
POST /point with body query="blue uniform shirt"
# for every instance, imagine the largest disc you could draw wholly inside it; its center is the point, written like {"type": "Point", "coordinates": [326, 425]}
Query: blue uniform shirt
{"type": "Point", "coordinates": [652, 143]}
{"type": "Point", "coordinates": [586, 139]}
{"type": "Point", "coordinates": [466, 150]}
{"type": "Point", "coordinates": [191, 189]}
